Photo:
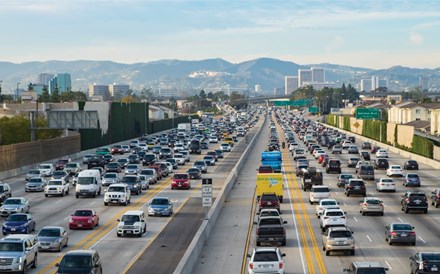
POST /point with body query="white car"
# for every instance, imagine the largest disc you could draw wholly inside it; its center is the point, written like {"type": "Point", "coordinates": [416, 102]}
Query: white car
{"type": "Point", "coordinates": [178, 148]}
{"type": "Point", "coordinates": [332, 217]}
{"type": "Point", "coordinates": [386, 184]}
{"type": "Point", "coordinates": [226, 147]}
{"type": "Point", "coordinates": [117, 194]}
{"type": "Point", "coordinates": [266, 260]}
{"type": "Point", "coordinates": [185, 154]}
{"type": "Point", "coordinates": [57, 187]}
{"type": "Point", "coordinates": [46, 169]}
{"type": "Point", "coordinates": [213, 140]}
{"type": "Point", "coordinates": [382, 153]}
{"type": "Point", "coordinates": [318, 152]}
{"type": "Point", "coordinates": [180, 159]}
{"type": "Point", "coordinates": [318, 192]}
{"type": "Point", "coordinates": [292, 147]}
{"type": "Point", "coordinates": [324, 204]}
{"type": "Point", "coordinates": [346, 144]}
{"type": "Point", "coordinates": [395, 170]}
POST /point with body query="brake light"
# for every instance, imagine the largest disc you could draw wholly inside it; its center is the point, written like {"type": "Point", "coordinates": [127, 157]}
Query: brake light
{"type": "Point", "coordinates": [280, 265]}
{"type": "Point", "coordinates": [251, 265]}
{"type": "Point", "coordinates": [412, 233]}
{"type": "Point", "coordinates": [350, 187]}
{"type": "Point", "coordinates": [365, 204]}
{"type": "Point", "coordinates": [438, 196]}
{"type": "Point", "coordinates": [407, 200]}
{"type": "Point", "coordinates": [394, 233]}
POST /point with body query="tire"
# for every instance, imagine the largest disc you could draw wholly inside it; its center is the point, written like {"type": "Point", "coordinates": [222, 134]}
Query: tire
{"type": "Point", "coordinates": [347, 194]}
{"type": "Point", "coordinates": [59, 247]}
{"type": "Point", "coordinates": [413, 243]}
{"type": "Point", "coordinates": [426, 211]}
{"type": "Point", "coordinates": [389, 242]}
{"type": "Point", "coordinates": [62, 194]}
{"type": "Point", "coordinates": [94, 194]}
{"type": "Point", "coordinates": [406, 210]}
{"type": "Point", "coordinates": [327, 253]}
{"type": "Point", "coordinates": [35, 263]}
{"type": "Point", "coordinates": [106, 204]}
{"type": "Point", "coordinates": [283, 243]}
{"type": "Point", "coordinates": [45, 195]}
{"type": "Point", "coordinates": [76, 196]}
{"type": "Point", "coordinates": [352, 252]}
{"type": "Point", "coordinates": [118, 235]}
{"type": "Point", "coordinates": [436, 205]}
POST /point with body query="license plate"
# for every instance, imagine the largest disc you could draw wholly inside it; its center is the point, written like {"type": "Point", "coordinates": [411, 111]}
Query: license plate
{"type": "Point", "coordinates": [128, 231]}
{"type": "Point", "coordinates": [308, 180]}
{"type": "Point", "coordinates": [271, 239]}
{"type": "Point", "coordinates": [12, 229]}
{"type": "Point", "coordinates": [114, 202]}
{"type": "Point", "coordinates": [403, 234]}
{"type": "Point", "coordinates": [267, 265]}
{"type": "Point", "coordinates": [335, 219]}
{"type": "Point", "coordinates": [80, 225]}
{"type": "Point", "coordinates": [433, 269]}
{"type": "Point", "coordinates": [3, 267]}
{"type": "Point", "coordinates": [45, 247]}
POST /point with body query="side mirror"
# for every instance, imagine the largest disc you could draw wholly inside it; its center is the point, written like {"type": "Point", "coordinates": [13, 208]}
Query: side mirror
{"type": "Point", "coordinates": [284, 222]}
{"type": "Point", "coordinates": [249, 255]}
{"type": "Point", "coordinates": [283, 255]}
{"type": "Point", "coordinates": [118, 220]}
{"type": "Point", "coordinates": [258, 213]}
{"type": "Point", "coordinates": [57, 264]}
{"type": "Point", "coordinates": [255, 223]}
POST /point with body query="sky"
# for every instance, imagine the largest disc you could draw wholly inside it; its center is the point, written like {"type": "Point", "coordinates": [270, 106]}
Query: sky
{"type": "Point", "coordinates": [363, 33]}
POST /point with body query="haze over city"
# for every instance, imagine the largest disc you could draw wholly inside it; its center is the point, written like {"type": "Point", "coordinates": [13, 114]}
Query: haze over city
{"type": "Point", "coordinates": [372, 34]}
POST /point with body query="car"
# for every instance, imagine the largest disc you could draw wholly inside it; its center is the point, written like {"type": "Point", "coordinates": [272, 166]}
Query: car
{"type": "Point", "coordinates": [353, 150]}
{"type": "Point", "coordinates": [52, 238]}
{"type": "Point", "coordinates": [355, 187]}
{"type": "Point", "coordinates": [333, 166]}
{"type": "Point", "coordinates": [145, 181]}
{"type": "Point", "coordinates": [181, 180]}
{"type": "Point", "coordinates": [364, 267]}
{"type": "Point", "coordinates": [133, 182]}
{"type": "Point", "coordinates": [150, 174]}
{"type": "Point", "coordinates": [323, 204]}
{"type": "Point", "coordinates": [61, 163]}
{"type": "Point", "coordinates": [400, 233]}
{"type": "Point", "coordinates": [57, 187]}
{"type": "Point", "coordinates": [343, 179]}
{"type": "Point", "coordinates": [366, 145]}
{"type": "Point", "coordinates": [411, 165]}
{"type": "Point", "coordinates": [371, 205]}
{"type": "Point", "coordinates": [134, 159]}
{"type": "Point", "coordinates": [117, 194]}
{"type": "Point", "coordinates": [352, 161]}
{"type": "Point", "coordinates": [165, 153]}
{"type": "Point", "coordinates": [132, 223]}
{"type": "Point", "coordinates": [269, 200]}
{"type": "Point", "coordinates": [72, 168]}
{"type": "Point", "coordinates": [125, 149]}
{"type": "Point", "coordinates": [123, 162]}
{"type": "Point", "coordinates": [103, 151]}
{"type": "Point", "coordinates": [412, 179]}
{"type": "Point", "coordinates": [60, 174]}
{"type": "Point", "coordinates": [18, 252]}
{"type": "Point", "coordinates": [180, 159]}
{"type": "Point", "coordinates": [5, 191]}
{"type": "Point", "coordinates": [110, 178]}
{"type": "Point", "coordinates": [425, 262]}
{"type": "Point", "coordinates": [32, 174]}
{"type": "Point", "coordinates": [80, 261]}
{"type": "Point", "coordinates": [332, 217]}
{"type": "Point", "coordinates": [96, 161]}
{"type": "Point", "coordinates": [186, 154]}
{"type": "Point", "coordinates": [395, 171]}
{"type": "Point", "coordinates": [86, 158]}
{"type": "Point", "coordinates": [365, 155]}
{"type": "Point", "coordinates": [194, 173]}
{"type": "Point", "coordinates": [200, 164]}
{"type": "Point", "coordinates": [173, 162]}
{"type": "Point", "coordinates": [131, 169]}
{"type": "Point", "coordinates": [84, 219]}
{"type": "Point", "coordinates": [160, 206]}
{"type": "Point", "coordinates": [435, 197]}
{"type": "Point", "coordinates": [365, 172]}
{"type": "Point", "coordinates": [318, 192]}
{"type": "Point", "coordinates": [385, 184]}
{"type": "Point", "coordinates": [213, 140]}
{"type": "Point", "coordinates": [336, 149]}
{"type": "Point", "coordinates": [18, 223]}
{"type": "Point", "coordinates": [268, 212]}
{"type": "Point", "coordinates": [46, 169]}
{"type": "Point", "coordinates": [414, 200]}
{"type": "Point", "coordinates": [35, 184]}
{"type": "Point", "coordinates": [209, 159]}
{"type": "Point", "coordinates": [219, 153]}
{"type": "Point", "coordinates": [338, 239]}
{"type": "Point", "coordinates": [382, 153]}
{"type": "Point", "coordinates": [346, 144]}
{"type": "Point", "coordinates": [381, 163]}
{"type": "Point", "coordinates": [117, 149]}
{"type": "Point", "coordinates": [14, 205]}
{"type": "Point", "coordinates": [226, 147]}
{"type": "Point", "coordinates": [266, 260]}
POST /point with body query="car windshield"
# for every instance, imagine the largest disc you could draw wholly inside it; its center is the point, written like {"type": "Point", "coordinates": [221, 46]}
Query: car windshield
{"type": "Point", "coordinates": [147, 172]}
{"type": "Point", "coordinates": [430, 256]}
{"type": "Point", "coordinates": [45, 167]}
{"type": "Point", "coordinates": [34, 172]}
{"type": "Point", "coordinates": [49, 232]}
{"type": "Point", "coordinates": [55, 183]}
{"type": "Point", "coordinates": [110, 175]}
{"type": "Point", "coordinates": [180, 176]}
{"type": "Point", "coordinates": [402, 227]}
{"type": "Point", "coordinates": [371, 270]}
{"type": "Point", "coordinates": [17, 218]}
{"type": "Point", "coordinates": [320, 189]}
{"type": "Point", "coordinates": [83, 213]}
{"type": "Point", "coordinates": [130, 218]}
{"type": "Point", "coordinates": [70, 165]}
{"type": "Point", "coordinates": [12, 202]}
{"type": "Point", "coordinates": [335, 213]}
{"type": "Point", "coordinates": [129, 180]}
{"type": "Point", "coordinates": [367, 168]}
{"type": "Point", "coordinates": [11, 247]}
{"type": "Point", "coordinates": [412, 176]}
{"type": "Point", "coordinates": [266, 256]}
{"type": "Point", "coordinates": [59, 173]}
{"type": "Point", "coordinates": [116, 189]}
{"type": "Point", "coordinates": [85, 180]}
{"type": "Point", "coordinates": [76, 261]}
{"type": "Point", "coordinates": [193, 170]}
{"type": "Point", "coordinates": [199, 163]}
{"type": "Point", "coordinates": [346, 176]}
{"type": "Point", "coordinates": [159, 202]}
{"type": "Point", "coordinates": [325, 203]}
{"type": "Point", "coordinates": [373, 201]}
{"type": "Point", "coordinates": [35, 180]}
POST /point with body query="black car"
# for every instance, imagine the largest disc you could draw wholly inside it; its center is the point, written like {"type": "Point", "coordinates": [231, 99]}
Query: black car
{"type": "Point", "coordinates": [366, 155]}
{"type": "Point", "coordinates": [133, 159]}
{"type": "Point", "coordinates": [194, 173]}
{"type": "Point", "coordinates": [134, 183]}
{"type": "Point", "coordinates": [414, 200]}
{"type": "Point", "coordinates": [411, 165]}
{"type": "Point", "coordinates": [219, 153]}
{"type": "Point", "coordinates": [80, 261]}
{"type": "Point", "coordinates": [113, 167]}
{"type": "Point", "coordinates": [333, 166]}
{"type": "Point", "coordinates": [5, 192]}
{"type": "Point", "coordinates": [204, 145]}
{"type": "Point", "coordinates": [355, 187]}
{"type": "Point", "coordinates": [381, 163]}
{"type": "Point", "coordinates": [149, 159]}
{"type": "Point", "coordinates": [96, 161]}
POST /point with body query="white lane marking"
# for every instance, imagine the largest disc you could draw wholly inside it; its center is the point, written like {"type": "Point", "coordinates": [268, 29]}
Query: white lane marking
{"type": "Point", "coordinates": [92, 203]}
{"type": "Point", "coordinates": [67, 218]}
{"type": "Point", "coordinates": [368, 237]}
{"type": "Point", "coordinates": [336, 193]}
{"type": "Point", "coordinates": [355, 219]}
{"type": "Point", "coordinates": [420, 238]}
{"type": "Point", "coordinates": [345, 204]}
{"type": "Point", "coordinates": [400, 220]}
{"type": "Point", "coordinates": [301, 255]}
{"type": "Point", "coordinates": [59, 201]}
{"type": "Point", "coordinates": [389, 266]}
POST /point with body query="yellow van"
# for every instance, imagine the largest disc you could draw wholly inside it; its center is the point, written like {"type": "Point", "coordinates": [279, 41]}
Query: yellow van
{"type": "Point", "coordinates": [270, 183]}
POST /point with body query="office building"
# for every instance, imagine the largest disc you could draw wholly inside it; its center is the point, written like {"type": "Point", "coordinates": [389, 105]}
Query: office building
{"type": "Point", "coordinates": [278, 91]}
{"type": "Point", "coordinates": [169, 92]}
{"type": "Point", "coordinates": [44, 78]}
{"type": "Point", "coordinates": [290, 84]}
{"type": "Point", "coordinates": [115, 89]}
{"type": "Point", "coordinates": [62, 82]}
{"type": "Point", "coordinates": [318, 75]}
{"type": "Point", "coordinates": [319, 85]}
{"type": "Point", "coordinates": [365, 85]}
{"type": "Point", "coordinates": [99, 90]}
{"type": "Point", "coordinates": [304, 75]}
{"type": "Point", "coordinates": [423, 83]}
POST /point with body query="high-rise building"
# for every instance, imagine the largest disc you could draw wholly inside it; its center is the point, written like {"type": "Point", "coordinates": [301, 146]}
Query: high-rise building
{"type": "Point", "coordinates": [99, 90]}
{"type": "Point", "coordinates": [382, 83]}
{"type": "Point", "coordinates": [117, 89]}
{"type": "Point", "coordinates": [320, 85]}
{"type": "Point", "coordinates": [290, 84]}
{"type": "Point", "coordinates": [62, 81]}
{"type": "Point", "coordinates": [423, 83]}
{"type": "Point", "coordinates": [304, 75]}
{"type": "Point", "coordinates": [366, 85]}
{"type": "Point", "coordinates": [318, 75]}
{"type": "Point", "coordinates": [257, 88]}
{"type": "Point", "coordinates": [44, 78]}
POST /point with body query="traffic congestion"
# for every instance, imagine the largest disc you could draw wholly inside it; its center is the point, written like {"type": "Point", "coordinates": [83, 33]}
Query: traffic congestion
{"type": "Point", "coordinates": [145, 177]}
{"type": "Point", "coordinates": [346, 206]}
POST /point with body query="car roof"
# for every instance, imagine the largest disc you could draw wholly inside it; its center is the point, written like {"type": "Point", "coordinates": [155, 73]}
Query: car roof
{"type": "Point", "coordinates": [81, 252]}
{"type": "Point", "coordinates": [368, 264]}
{"type": "Point", "coordinates": [134, 212]}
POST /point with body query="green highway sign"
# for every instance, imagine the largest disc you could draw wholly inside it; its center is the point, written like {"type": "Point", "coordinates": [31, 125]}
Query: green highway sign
{"type": "Point", "coordinates": [281, 103]}
{"type": "Point", "coordinates": [367, 113]}
{"type": "Point", "coordinates": [313, 109]}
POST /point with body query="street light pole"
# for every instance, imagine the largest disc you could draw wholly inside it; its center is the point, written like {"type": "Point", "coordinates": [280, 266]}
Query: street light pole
{"type": "Point", "coordinates": [1, 91]}
{"type": "Point", "coordinates": [16, 92]}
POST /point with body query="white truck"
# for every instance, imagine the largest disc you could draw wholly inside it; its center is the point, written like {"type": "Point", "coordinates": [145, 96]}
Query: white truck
{"type": "Point", "coordinates": [117, 194]}
{"type": "Point", "coordinates": [57, 187]}
{"type": "Point", "coordinates": [184, 127]}
{"type": "Point", "coordinates": [88, 183]}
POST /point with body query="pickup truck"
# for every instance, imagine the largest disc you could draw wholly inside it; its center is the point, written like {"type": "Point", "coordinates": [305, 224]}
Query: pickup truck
{"type": "Point", "coordinates": [271, 230]}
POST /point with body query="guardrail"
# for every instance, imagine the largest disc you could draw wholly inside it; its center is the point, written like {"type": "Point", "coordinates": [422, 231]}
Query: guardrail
{"type": "Point", "coordinates": [192, 254]}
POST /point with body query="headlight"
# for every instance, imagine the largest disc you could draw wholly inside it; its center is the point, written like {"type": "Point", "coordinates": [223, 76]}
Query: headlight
{"type": "Point", "coordinates": [19, 259]}
{"type": "Point", "coordinates": [150, 209]}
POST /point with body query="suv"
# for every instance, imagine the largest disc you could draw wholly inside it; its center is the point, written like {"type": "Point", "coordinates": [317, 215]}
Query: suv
{"type": "Point", "coordinates": [366, 267]}
{"type": "Point", "coordinates": [332, 217]}
{"type": "Point", "coordinates": [117, 194]}
{"type": "Point", "coordinates": [5, 191]}
{"type": "Point", "coordinates": [414, 200]}
{"type": "Point", "coordinates": [337, 239]}
{"type": "Point", "coordinates": [317, 193]}
{"type": "Point", "coordinates": [88, 261]}
{"type": "Point", "coordinates": [133, 222]}
{"type": "Point", "coordinates": [381, 163]}
{"type": "Point", "coordinates": [57, 187]}
{"type": "Point", "coordinates": [355, 186]}
{"type": "Point", "coordinates": [269, 200]}
{"type": "Point", "coordinates": [366, 172]}
{"type": "Point", "coordinates": [18, 252]}
{"type": "Point", "coordinates": [266, 259]}
{"type": "Point", "coordinates": [333, 166]}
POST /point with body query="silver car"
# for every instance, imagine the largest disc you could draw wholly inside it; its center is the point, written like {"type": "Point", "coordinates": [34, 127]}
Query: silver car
{"type": "Point", "coordinates": [14, 205]}
{"type": "Point", "coordinates": [110, 178]}
{"type": "Point", "coordinates": [209, 159]}
{"type": "Point", "coordinates": [52, 238]}
{"type": "Point", "coordinates": [145, 182]}
{"type": "Point", "coordinates": [371, 205]}
{"type": "Point", "coordinates": [200, 164]}
{"type": "Point", "coordinates": [150, 174]}
{"type": "Point", "coordinates": [35, 184]}
{"type": "Point", "coordinates": [400, 233]}
{"type": "Point", "coordinates": [131, 169]}
{"type": "Point", "coordinates": [32, 174]}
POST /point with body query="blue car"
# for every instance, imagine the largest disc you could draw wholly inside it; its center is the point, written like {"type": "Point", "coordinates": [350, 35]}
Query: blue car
{"type": "Point", "coordinates": [412, 179]}
{"type": "Point", "coordinates": [160, 206]}
{"type": "Point", "coordinates": [18, 223]}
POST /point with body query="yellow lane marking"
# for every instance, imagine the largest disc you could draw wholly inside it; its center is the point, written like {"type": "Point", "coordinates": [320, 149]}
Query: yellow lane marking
{"type": "Point", "coordinates": [248, 237]}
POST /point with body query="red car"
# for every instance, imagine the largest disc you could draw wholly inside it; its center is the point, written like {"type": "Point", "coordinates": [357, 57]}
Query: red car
{"type": "Point", "coordinates": [322, 158]}
{"type": "Point", "coordinates": [181, 180]}
{"type": "Point", "coordinates": [84, 219]}
{"type": "Point", "coordinates": [213, 154]}
{"type": "Point", "coordinates": [117, 149]}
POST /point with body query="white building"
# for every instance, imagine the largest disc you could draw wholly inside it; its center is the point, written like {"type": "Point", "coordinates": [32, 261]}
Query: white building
{"type": "Point", "coordinates": [304, 75]}
{"type": "Point", "coordinates": [290, 84]}
{"type": "Point", "coordinates": [377, 83]}
{"type": "Point", "coordinates": [258, 88]}
{"type": "Point", "coordinates": [319, 85]}
{"type": "Point", "coordinates": [423, 83]}
{"type": "Point", "coordinates": [318, 75]}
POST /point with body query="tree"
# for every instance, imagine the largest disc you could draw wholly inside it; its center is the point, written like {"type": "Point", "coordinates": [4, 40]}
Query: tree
{"type": "Point", "coordinates": [55, 96]}
{"type": "Point", "coordinates": [45, 96]}
{"type": "Point", "coordinates": [202, 95]}
{"type": "Point", "coordinates": [73, 96]}
{"type": "Point", "coordinates": [30, 87]}
{"type": "Point", "coordinates": [128, 99]}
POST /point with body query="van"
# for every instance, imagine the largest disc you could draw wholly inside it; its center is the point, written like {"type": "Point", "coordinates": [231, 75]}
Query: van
{"type": "Point", "coordinates": [318, 192]}
{"type": "Point", "coordinates": [366, 172]}
{"type": "Point", "coordinates": [88, 183]}
{"type": "Point", "coordinates": [270, 183]}
{"type": "Point", "coordinates": [133, 223]}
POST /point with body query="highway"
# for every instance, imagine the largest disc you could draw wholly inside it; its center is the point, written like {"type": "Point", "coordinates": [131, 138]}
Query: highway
{"type": "Point", "coordinates": [225, 251]}
{"type": "Point", "coordinates": [167, 238]}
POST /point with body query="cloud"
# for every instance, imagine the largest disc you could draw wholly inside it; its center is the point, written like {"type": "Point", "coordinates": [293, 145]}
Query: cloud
{"type": "Point", "coordinates": [415, 38]}
{"type": "Point", "coordinates": [335, 43]}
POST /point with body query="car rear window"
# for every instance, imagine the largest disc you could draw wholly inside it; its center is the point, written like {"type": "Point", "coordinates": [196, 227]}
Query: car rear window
{"type": "Point", "coordinates": [180, 176]}
{"type": "Point", "coordinates": [367, 168]}
{"type": "Point", "coordinates": [373, 202]}
{"type": "Point", "coordinates": [402, 227]}
{"type": "Point", "coordinates": [356, 183]}
{"type": "Point", "coordinates": [371, 270]}
{"type": "Point", "coordinates": [340, 234]}
{"type": "Point", "coordinates": [266, 256]}
{"type": "Point", "coordinates": [335, 213]}
{"type": "Point", "coordinates": [430, 256]}
{"type": "Point", "coordinates": [269, 198]}
{"type": "Point", "coordinates": [412, 176]}
{"type": "Point", "coordinates": [320, 189]}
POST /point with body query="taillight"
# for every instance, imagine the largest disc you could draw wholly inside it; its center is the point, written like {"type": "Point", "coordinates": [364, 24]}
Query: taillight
{"type": "Point", "coordinates": [412, 233]}
{"type": "Point", "coordinates": [438, 196]}
{"type": "Point", "coordinates": [393, 233]}
{"type": "Point", "coordinates": [251, 265]}
{"type": "Point", "coordinates": [280, 265]}
{"type": "Point", "coordinates": [407, 200]}
{"type": "Point", "coordinates": [365, 204]}
{"type": "Point", "coordinates": [350, 187]}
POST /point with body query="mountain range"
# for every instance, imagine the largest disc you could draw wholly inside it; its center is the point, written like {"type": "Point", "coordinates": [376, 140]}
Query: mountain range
{"type": "Point", "coordinates": [208, 74]}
